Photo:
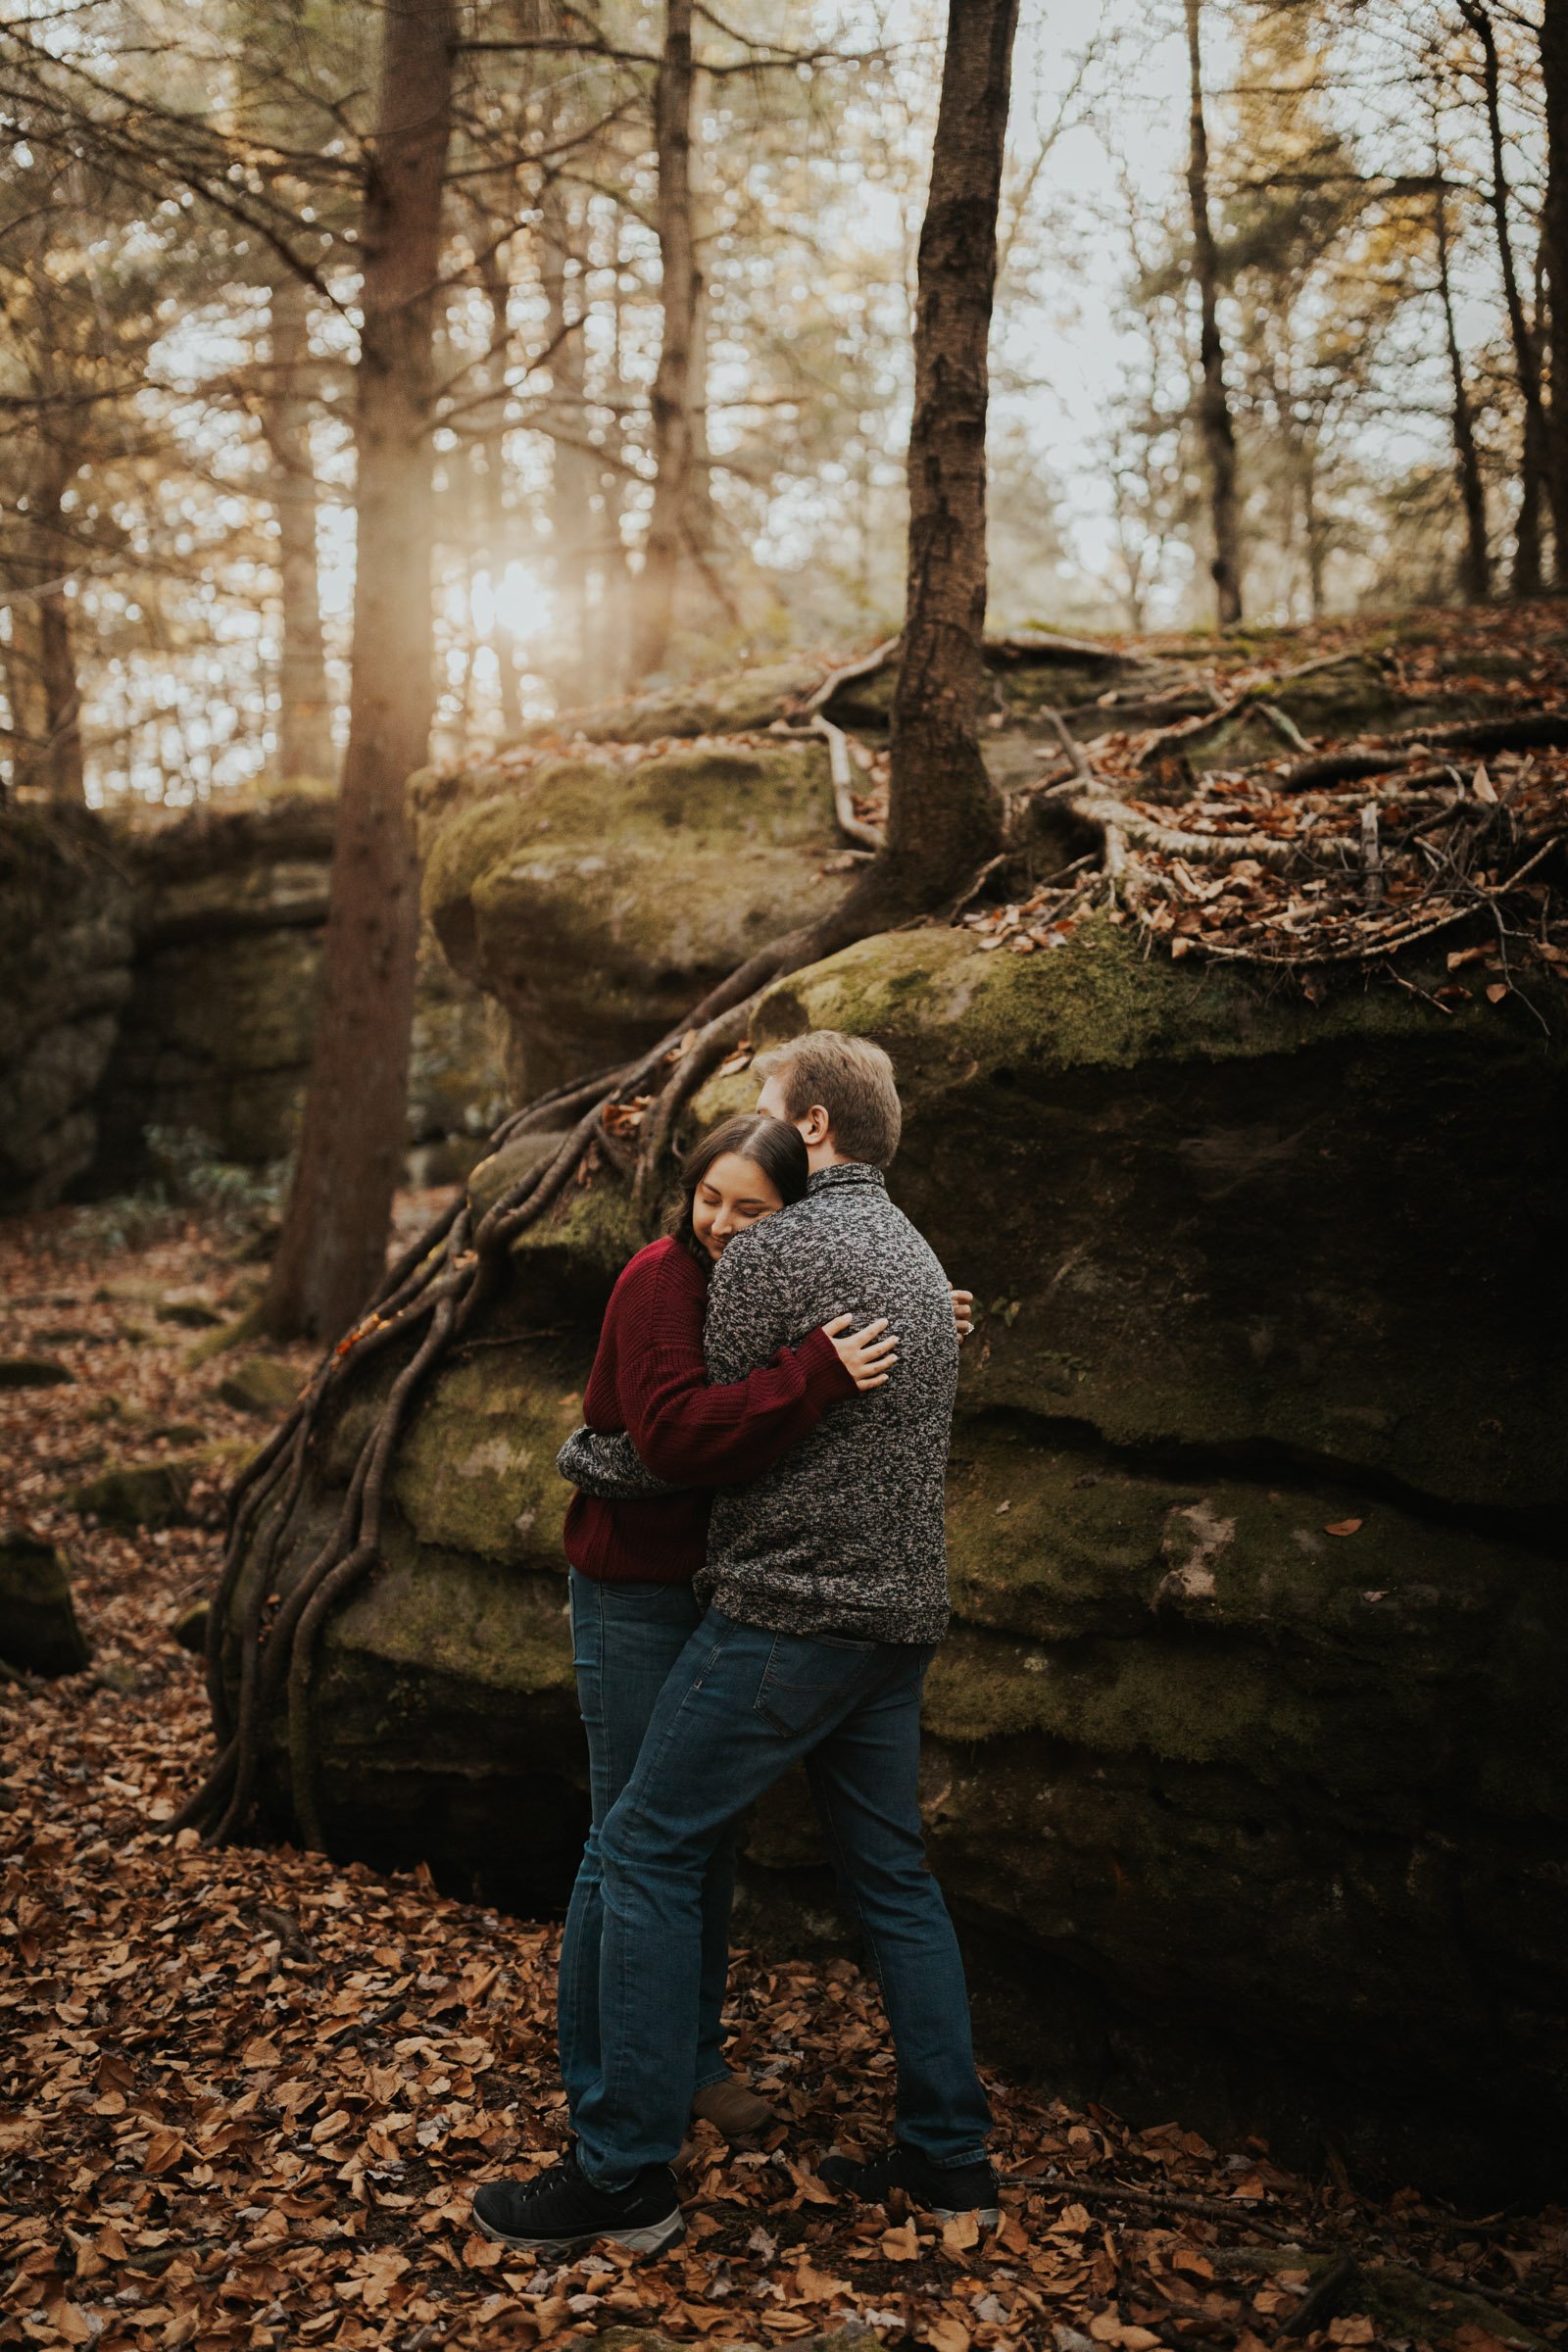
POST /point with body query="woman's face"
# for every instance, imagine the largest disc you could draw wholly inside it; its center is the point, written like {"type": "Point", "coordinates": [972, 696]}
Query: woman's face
{"type": "Point", "coordinates": [731, 1198]}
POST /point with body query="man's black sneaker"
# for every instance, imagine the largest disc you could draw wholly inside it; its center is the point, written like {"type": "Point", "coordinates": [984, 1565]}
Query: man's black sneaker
{"type": "Point", "coordinates": [560, 2209]}
{"type": "Point", "coordinates": [947, 2190]}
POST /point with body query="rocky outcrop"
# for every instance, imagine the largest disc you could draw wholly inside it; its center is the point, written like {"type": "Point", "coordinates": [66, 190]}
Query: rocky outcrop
{"type": "Point", "coordinates": [596, 877]}
{"type": "Point", "coordinates": [39, 1627]}
{"type": "Point", "coordinates": [217, 1034]}
{"type": "Point", "coordinates": [1245, 1770]}
{"type": "Point", "coordinates": [161, 971]}
{"type": "Point", "coordinates": [66, 946]}
{"type": "Point", "coordinates": [595, 898]}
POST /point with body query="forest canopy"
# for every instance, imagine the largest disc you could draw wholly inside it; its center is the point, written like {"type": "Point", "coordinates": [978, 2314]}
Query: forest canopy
{"type": "Point", "coordinates": [666, 408]}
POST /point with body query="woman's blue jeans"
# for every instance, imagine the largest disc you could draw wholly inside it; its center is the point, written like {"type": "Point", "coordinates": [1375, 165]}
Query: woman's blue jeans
{"type": "Point", "coordinates": [625, 1639]}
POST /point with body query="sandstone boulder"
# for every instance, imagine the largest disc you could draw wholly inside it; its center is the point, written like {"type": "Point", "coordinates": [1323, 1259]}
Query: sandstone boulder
{"type": "Point", "coordinates": [39, 1627]}
{"type": "Point", "coordinates": [216, 1036]}
{"type": "Point", "coordinates": [1244, 1764]}
{"type": "Point", "coordinates": [594, 899]}
{"type": "Point", "coordinates": [66, 946]}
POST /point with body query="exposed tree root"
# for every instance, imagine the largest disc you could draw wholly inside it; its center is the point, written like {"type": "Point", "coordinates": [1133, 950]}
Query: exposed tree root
{"type": "Point", "coordinates": [432, 1295]}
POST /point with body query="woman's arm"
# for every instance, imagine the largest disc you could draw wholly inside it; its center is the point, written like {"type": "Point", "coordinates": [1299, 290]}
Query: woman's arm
{"type": "Point", "coordinates": [693, 1435]}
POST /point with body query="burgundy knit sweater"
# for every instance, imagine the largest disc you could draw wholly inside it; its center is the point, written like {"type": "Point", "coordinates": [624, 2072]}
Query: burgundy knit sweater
{"type": "Point", "coordinates": [649, 1379]}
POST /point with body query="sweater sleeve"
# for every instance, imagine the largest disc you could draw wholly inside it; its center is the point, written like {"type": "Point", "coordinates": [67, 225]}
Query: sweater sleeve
{"type": "Point", "coordinates": [605, 1464]}
{"type": "Point", "coordinates": [693, 1435]}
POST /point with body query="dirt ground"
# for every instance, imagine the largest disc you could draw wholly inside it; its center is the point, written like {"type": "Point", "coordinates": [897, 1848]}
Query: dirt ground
{"type": "Point", "coordinates": [245, 2095]}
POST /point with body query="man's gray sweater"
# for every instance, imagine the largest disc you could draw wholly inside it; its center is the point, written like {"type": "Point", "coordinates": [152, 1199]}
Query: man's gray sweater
{"type": "Point", "coordinates": [845, 1536]}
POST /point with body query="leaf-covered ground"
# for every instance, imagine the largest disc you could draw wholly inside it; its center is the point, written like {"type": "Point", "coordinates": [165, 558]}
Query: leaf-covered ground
{"type": "Point", "coordinates": [245, 2096]}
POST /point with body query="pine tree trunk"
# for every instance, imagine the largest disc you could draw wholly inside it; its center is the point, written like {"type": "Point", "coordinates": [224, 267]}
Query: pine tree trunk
{"type": "Point", "coordinates": [496, 529]}
{"type": "Point", "coordinates": [351, 1149]}
{"type": "Point", "coordinates": [572, 468]}
{"type": "Point", "coordinates": [944, 817]}
{"type": "Point", "coordinates": [1475, 570]}
{"type": "Point", "coordinates": [672, 395]}
{"type": "Point", "coordinates": [1554, 239]}
{"type": "Point", "coordinates": [305, 711]}
{"type": "Point", "coordinates": [24, 680]}
{"type": "Point", "coordinates": [1527, 573]}
{"type": "Point", "coordinates": [1213, 402]}
{"type": "Point", "coordinates": [58, 768]}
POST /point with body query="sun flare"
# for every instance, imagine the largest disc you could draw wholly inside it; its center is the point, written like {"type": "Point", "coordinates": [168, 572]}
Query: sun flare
{"type": "Point", "coordinates": [519, 603]}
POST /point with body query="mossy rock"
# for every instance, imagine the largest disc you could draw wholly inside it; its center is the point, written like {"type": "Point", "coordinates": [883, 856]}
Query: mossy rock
{"type": "Point", "coordinates": [595, 902]}
{"type": "Point", "coordinates": [188, 1627]}
{"type": "Point", "coordinates": [745, 702]}
{"type": "Point", "coordinates": [260, 1384]}
{"type": "Point", "coordinates": [39, 1627]}
{"type": "Point", "coordinates": [478, 1475]}
{"type": "Point", "coordinates": [1215, 1217]}
{"type": "Point", "coordinates": [1246, 1746]}
{"type": "Point", "coordinates": [151, 1493]}
{"type": "Point", "coordinates": [33, 1372]}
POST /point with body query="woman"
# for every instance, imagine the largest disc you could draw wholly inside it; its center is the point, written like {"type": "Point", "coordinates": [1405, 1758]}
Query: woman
{"type": "Point", "coordinates": [632, 1562]}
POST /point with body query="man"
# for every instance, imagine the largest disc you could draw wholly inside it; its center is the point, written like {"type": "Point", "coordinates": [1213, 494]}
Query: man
{"type": "Point", "coordinates": [826, 1583]}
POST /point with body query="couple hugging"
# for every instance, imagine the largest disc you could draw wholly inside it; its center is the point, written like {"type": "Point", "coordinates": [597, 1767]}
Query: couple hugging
{"type": "Point", "coordinates": [758, 1577]}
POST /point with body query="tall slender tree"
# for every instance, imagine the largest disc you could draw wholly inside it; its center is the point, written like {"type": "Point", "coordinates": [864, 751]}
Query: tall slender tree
{"type": "Point", "coordinates": [1527, 571]}
{"type": "Point", "coordinates": [943, 815]}
{"type": "Point", "coordinates": [1213, 402]}
{"type": "Point", "coordinates": [304, 710]}
{"type": "Point", "coordinates": [332, 1245]}
{"type": "Point", "coordinates": [1475, 568]}
{"type": "Point", "coordinates": [1555, 243]}
{"type": "Point", "coordinates": [671, 406]}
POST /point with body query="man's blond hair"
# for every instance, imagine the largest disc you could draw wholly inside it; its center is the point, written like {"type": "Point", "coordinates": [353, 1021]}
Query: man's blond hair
{"type": "Point", "coordinates": [851, 1079]}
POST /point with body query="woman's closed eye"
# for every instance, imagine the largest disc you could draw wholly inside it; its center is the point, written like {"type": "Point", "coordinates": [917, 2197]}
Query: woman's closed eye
{"type": "Point", "coordinates": [751, 1209]}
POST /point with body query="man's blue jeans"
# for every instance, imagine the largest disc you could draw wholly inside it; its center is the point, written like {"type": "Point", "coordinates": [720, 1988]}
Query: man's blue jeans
{"type": "Point", "coordinates": [625, 1639]}
{"type": "Point", "coordinates": [740, 1707]}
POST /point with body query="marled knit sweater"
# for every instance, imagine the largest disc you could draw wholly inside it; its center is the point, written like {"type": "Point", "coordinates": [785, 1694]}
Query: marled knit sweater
{"type": "Point", "coordinates": [844, 1535]}
{"type": "Point", "coordinates": [650, 1381]}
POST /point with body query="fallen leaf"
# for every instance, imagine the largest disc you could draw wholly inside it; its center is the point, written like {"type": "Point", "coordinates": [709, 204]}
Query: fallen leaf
{"type": "Point", "coordinates": [1337, 1527]}
{"type": "Point", "coordinates": [960, 2234]}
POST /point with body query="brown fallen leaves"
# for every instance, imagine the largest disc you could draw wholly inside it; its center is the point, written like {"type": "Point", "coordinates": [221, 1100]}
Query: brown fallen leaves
{"type": "Point", "coordinates": [245, 2096]}
{"type": "Point", "coordinates": [1250, 859]}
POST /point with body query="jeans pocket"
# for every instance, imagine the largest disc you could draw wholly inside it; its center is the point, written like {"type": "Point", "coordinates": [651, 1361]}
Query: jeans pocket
{"type": "Point", "coordinates": [806, 1682]}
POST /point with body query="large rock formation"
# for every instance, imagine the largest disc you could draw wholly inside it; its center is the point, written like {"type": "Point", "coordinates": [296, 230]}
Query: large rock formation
{"type": "Point", "coordinates": [160, 971]}
{"type": "Point", "coordinates": [1245, 1769]}
{"type": "Point", "coordinates": [216, 1034]}
{"type": "Point", "coordinates": [66, 907]}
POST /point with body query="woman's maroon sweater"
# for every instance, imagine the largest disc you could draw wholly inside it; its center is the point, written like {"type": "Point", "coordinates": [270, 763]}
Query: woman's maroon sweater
{"type": "Point", "coordinates": [649, 1379]}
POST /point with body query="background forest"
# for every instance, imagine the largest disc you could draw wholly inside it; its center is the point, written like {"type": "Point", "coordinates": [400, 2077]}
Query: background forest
{"type": "Point", "coordinates": [502, 620]}
{"type": "Point", "coordinates": [666, 408]}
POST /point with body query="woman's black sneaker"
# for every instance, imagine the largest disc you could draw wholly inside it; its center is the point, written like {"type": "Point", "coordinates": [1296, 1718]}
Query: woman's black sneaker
{"type": "Point", "coordinates": [947, 2190]}
{"type": "Point", "coordinates": [560, 2209]}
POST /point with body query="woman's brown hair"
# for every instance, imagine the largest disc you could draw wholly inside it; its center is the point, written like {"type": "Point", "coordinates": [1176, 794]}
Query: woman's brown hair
{"type": "Point", "coordinates": [772, 1144]}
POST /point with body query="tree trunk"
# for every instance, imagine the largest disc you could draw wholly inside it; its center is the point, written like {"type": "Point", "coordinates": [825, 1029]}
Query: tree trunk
{"type": "Point", "coordinates": [335, 1231]}
{"type": "Point", "coordinates": [24, 681]}
{"type": "Point", "coordinates": [57, 767]}
{"type": "Point", "coordinates": [1213, 403]}
{"type": "Point", "coordinates": [672, 395]}
{"type": "Point", "coordinates": [304, 710]}
{"type": "Point", "coordinates": [944, 817]}
{"type": "Point", "coordinates": [497, 531]}
{"type": "Point", "coordinates": [1475, 569]}
{"type": "Point", "coordinates": [1554, 238]}
{"type": "Point", "coordinates": [1527, 572]}
{"type": "Point", "coordinates": [572, 466]}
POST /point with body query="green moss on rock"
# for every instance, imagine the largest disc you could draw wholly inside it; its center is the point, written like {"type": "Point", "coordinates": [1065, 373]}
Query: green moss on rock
{"type": "Point", "coordinates": [1108, 1151]}
{"type": "Point", "coordinates": [594, 901]}
{"type": "Point", "coordinates": [39, 1627]}
{"type": "Point", "coordinates": [477, 1473]}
